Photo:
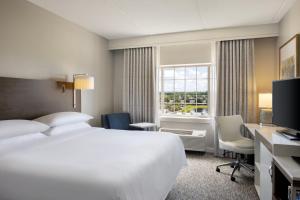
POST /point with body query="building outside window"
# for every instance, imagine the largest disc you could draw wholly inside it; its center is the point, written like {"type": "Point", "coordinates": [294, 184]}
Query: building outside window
{"type": "Point", "coordinates": [184, 89]}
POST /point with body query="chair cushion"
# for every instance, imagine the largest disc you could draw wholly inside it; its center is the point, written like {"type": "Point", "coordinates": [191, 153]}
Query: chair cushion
{"type": "Point", "coordinates": [243, 145]}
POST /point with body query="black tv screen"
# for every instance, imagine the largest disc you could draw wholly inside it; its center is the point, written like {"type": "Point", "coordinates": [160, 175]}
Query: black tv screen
{"type": "Point", "coordinates": [286, 103]}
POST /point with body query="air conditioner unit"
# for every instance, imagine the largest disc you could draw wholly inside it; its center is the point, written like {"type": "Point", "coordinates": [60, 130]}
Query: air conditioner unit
{"type": "Point", "coordinates": [193, 140]}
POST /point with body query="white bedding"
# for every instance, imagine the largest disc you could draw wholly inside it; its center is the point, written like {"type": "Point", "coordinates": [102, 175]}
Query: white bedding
{"type": "Point", "coordinates": [91, 164]}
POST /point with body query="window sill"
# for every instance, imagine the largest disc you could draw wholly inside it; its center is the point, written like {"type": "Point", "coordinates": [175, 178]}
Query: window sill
{"type": "Point", "coordinates": [186, 119]}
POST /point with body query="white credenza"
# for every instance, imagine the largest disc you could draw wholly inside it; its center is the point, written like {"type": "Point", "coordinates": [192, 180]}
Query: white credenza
{"type": "Point", "coordinates": [263, 161]}
{"type": "Point", "coordinates": [269, 145]}
{"type": "Point", "coordinates": [265, 167]}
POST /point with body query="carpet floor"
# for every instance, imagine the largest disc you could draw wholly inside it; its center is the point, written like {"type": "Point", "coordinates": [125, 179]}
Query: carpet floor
{"type": "Point", "coordinates": [200, 181]}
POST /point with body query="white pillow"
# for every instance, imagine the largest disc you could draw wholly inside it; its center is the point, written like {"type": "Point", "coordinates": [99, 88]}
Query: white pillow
{"type": "Point", "coordinates": [62, 118]}
{"type": "Point", "coordinates": [66, 128]}
{"type": "Point", "coordinates": [13, 128]}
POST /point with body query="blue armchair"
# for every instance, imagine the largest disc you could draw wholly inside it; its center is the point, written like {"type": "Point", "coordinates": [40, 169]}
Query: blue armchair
{"type": "Point", "coordinates": [118, 121]}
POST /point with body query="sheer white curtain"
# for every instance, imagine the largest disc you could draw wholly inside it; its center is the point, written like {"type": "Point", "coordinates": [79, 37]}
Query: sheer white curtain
{"type": "Point", "coordinates": [213, 93]}
{"type": "Point", "coordinates": [139, 84]}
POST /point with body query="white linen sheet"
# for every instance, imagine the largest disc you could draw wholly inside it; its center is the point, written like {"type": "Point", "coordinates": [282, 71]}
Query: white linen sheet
{"type": "Point", "coordinates": [92, 164]}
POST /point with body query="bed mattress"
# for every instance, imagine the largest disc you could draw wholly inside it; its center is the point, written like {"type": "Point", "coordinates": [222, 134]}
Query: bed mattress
{"type": "Point", "coordinates": [91, 164]}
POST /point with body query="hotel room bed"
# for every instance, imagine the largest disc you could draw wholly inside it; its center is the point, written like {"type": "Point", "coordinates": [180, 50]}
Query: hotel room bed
{"type": "Point", "coordinates": [90, 164]}
{"type": "Point", "coordinates": [81, 163]}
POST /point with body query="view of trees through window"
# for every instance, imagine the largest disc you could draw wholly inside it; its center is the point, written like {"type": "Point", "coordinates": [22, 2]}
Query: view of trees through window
{"type": "Point", "coordinates": [184, 90]}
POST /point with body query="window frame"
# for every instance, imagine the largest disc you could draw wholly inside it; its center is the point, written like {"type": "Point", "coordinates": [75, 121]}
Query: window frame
{"type": "Point", "coordinates": [161, 86]}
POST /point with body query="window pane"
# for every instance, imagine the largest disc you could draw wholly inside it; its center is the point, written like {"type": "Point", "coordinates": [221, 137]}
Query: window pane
{"type": "Point", "coordinates": [168, 86]}
{"type": "Point", "coordinates": [191, 86]}
{"type": "Point", "coordinates": [191, 72]}
{"type": "Point", "coordinates": [203, 109]}
{"type": "Point", "coordinates": [189, 108]}
{"type": "Point", "coordinates": [183, 109]}
{"type": "Point", "coordinates": [202, 85]}
{"type": "Point", "coordinates": [179, 97]}
{"type": "Point", "coordinates": [180, 73]}
{"type": "Point", "coordinates": [191, 97]}
{"type": "Point", "coordinates": [202, 98]}
{"type": "Point", "coordinates": [168, 73]}
{"type": "Point", "coordinates": [184, 90]}
{"type": "Point", "coordinates": [169, 97]}
{"type": "Point", "coordinates": [168, 108]}
{"type": "Point", "coordinates": [179, 86]}
{"type": "Point", "coordinates": [202, 72]}
{"type": "Point", "coordinates": [178, 107]}
{"type": "Point", "coordinates": [161, 97]}
{"type": "Point", "coordinates": [159, 82]}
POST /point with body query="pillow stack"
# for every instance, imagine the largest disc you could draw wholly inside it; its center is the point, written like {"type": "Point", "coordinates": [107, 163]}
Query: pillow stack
{"type": "Point", "coordinates": [49, 124]}
{"type": "Point", "coordinates": [64, 121]}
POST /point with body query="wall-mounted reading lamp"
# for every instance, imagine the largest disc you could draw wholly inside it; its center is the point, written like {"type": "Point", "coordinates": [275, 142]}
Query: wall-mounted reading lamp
{"type": "Point", "coordinates": [80, 82]}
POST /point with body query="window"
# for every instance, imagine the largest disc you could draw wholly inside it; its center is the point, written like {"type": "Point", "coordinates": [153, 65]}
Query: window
{"type": "Point", "coordinates": [184, 89]}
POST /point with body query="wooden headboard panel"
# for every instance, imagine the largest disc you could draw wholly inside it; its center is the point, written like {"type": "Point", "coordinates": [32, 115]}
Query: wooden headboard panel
{"type": "Point", "coordinates": [29, 99]}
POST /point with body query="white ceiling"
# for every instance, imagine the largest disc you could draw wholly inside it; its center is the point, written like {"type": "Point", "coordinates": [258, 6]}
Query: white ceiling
{"type": "Point", "coordinates": [116, 19]}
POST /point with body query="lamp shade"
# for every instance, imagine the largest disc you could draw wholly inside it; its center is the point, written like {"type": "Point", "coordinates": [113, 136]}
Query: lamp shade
{"type": "Point", "coordinates": [83, 82]}
{"type": "Point", "coordinates": [265, 100]}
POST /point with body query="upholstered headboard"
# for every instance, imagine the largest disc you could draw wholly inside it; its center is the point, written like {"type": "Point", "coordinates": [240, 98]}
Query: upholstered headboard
{"type": "Point", "coordinates": [28, 99]}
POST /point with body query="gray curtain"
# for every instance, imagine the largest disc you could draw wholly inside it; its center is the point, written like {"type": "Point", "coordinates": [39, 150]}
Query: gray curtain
{"type": "Point", "coordinates": [236, 88]}
{"type": "Point", "coordinates": [139, 84]}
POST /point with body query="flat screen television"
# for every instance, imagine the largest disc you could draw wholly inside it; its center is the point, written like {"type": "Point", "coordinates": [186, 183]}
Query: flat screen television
{"type": "Point", "coordinates": [286, 105]}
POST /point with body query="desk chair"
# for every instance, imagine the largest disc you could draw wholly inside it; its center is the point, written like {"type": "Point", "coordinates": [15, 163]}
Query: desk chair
{"type": "Point", "coordinates": [230, 139]}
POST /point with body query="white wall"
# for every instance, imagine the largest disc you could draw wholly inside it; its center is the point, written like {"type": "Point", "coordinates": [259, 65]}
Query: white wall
{"type": "Point", "coordinates": [290, 24]}
{"type": "Point", "coordinates": [265, 63]}
{"type": "Point", "coordinates": [37, 44]}
{"type": "Point", "coordinates": [185, 53]}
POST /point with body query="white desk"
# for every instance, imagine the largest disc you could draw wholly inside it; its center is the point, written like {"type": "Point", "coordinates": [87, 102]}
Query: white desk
{"type": "Point", "coordinates": [251, 128]}
{"type": "Point", "coordinates": [272, 147]}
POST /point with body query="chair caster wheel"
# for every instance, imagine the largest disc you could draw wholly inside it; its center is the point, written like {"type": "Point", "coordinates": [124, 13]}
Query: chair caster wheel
{"type": "Point", "coordinates": [232, 178]}
{"type": "Point", "coordinates": [217, 169]}
{"type": "Point", "coordinates": [232, 166]}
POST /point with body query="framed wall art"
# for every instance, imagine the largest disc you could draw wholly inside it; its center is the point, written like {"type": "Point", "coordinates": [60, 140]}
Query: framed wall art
{"type": "Point", "coordinates": [289, 58]}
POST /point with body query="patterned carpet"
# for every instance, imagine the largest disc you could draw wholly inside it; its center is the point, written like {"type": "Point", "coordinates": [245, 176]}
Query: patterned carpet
{"type": "Point", "coordinates": [200, 181]}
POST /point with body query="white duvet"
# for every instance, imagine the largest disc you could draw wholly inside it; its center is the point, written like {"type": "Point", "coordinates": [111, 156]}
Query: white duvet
{"type": "Point", "coordinates": [91, 164]}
